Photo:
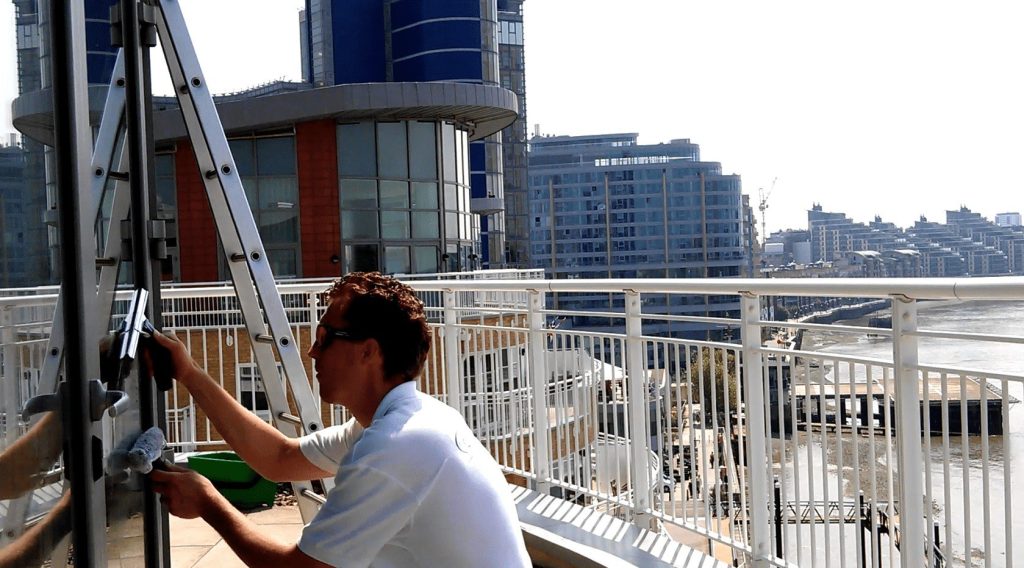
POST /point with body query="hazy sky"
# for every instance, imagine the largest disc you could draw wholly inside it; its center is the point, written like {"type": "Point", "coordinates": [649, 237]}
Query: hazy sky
{"type": "Point", "coordinates": [891, 108]}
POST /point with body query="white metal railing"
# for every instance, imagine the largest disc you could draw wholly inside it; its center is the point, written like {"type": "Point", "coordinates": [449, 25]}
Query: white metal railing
{"type": "Point", "coordinates": [900, 454]}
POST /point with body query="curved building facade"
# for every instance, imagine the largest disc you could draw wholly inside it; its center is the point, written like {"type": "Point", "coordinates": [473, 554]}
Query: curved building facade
{"type": "Point", "coordinates": [365, 41]}
{"type": "Point", "coordinates": [351, 177]}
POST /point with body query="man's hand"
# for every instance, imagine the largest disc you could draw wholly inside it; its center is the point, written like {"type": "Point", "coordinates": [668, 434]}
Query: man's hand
{"type": "Point", "coordinates": [184, 366]}
{"type": "Point", "coordinates": [186, 493]}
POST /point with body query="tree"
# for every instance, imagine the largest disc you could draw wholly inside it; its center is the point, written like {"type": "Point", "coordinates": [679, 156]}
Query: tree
{"type": "Point", "coordinates": [714, 382]}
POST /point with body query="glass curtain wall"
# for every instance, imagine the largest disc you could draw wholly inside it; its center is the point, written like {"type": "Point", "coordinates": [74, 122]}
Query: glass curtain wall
{"type": "Point", "coordinates": [404, 197]}
{"type": "Point", "coordinates": [266, 165]}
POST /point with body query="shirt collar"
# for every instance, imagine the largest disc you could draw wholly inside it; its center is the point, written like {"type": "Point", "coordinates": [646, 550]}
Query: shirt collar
{"type": "Point", "coordinates": [403, 391]}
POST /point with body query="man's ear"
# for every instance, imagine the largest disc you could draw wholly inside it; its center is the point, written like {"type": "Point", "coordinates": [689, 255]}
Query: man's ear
{"type": "Point", "coordinates": [371, 349]}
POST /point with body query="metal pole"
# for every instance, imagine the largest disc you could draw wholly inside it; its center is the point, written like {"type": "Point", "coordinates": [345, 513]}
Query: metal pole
{"type": "Point", "coordinates": [12, 400]}
{"type": "Point", "coordinates": [777, 499]}
{"type": "Point", "coordinates": [639, 423]}
{"type": "Point", "coordinates": [452, 356]}
{"type": "Point", "coordinates": [757, 448]}
{"type": "Point", "coordinates": [73, 146]}
{"type": "Point", "coordinates": [908, 430]}
{"type": "Point", "coordinates": [138, 36]}
{"type": "Point", "coordinates": [540, 455]}
{"type": "Point", "coordinates": [863, 525]}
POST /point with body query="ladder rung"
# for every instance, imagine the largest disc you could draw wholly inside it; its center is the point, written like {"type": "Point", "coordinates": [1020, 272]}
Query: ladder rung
{"type": "Point", "coordinates": [265, 338]}
{"type": "Point", "coordinates": [106, 261]}
{"type": "Point", "coordinates": [289, 418]}
{"type": "Point", "coordinates": [313, 496]}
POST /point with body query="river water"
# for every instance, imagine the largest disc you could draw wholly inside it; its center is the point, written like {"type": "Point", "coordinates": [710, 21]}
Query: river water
{"type": "Point", "coordinates": [987, 547]}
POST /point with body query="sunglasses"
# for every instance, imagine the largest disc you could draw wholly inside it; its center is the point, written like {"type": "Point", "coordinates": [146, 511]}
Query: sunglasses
{"type": "Point", "coordinates": [325, 334]}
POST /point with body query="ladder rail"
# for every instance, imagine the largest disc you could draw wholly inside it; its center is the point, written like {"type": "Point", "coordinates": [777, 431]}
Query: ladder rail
{"type": "Point", "coordinates": [247, 260]}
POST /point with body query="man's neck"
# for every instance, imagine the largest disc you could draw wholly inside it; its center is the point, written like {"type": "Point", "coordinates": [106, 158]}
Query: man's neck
{"type": "Point", "coordinates": [365, 414]}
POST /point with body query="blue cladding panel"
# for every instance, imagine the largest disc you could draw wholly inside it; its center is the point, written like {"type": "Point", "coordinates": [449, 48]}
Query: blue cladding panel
{"type": "Point", "coordinates": [358, 32]}
{"type": "Point", "coordinates": [101, 66]}
{"type": "Point", "coordinates": [99, 9]}
{"type": "Point", "coordinates": [446, 66]}
{"type": "Point", "coordinates": [407, 12]}
{"type": "Point", "coordinates": [477, 163]}
{"type": "Point", "coordinates": [97, 37]}
{"type": "Point", "coordinates": [436, 35]}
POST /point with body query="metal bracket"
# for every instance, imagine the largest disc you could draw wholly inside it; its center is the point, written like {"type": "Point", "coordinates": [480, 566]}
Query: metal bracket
{"type": "Point", "coordinates": [147, 26]}
{"type": "Point", "coordinates": [902, 298]}
{"type": "Point", "coordinates": [158, 239]}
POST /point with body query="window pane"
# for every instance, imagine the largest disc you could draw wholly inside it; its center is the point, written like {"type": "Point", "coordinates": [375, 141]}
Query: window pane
{"type": "Point", "coordinates": [448, 150]}
{"type": "Point", "coordinates": [282, 262]}
{"type": "Point", "coordinates": [462, 156]}
{"type": "Point", "coordinates": [450, 197]}
{"type": "Point", "coordinates": [275, 156]}
{"type": "Point", "coordinates": [165, 164]}
{"type": "Point", "coordinates": [279, 192]}
{"type": "Point", "coordinates": [362, 258]}
{"type": "Point", "coordinates": [396, 260]}
{"type": "Point", "coordinates": [451, 226]}
{"type": "Point", "coordinates": [359, 193]}
{"type": "Point", "coordinates": [358, 225]}
{"type": "Point", "coordinates": [357, 154]}
{"type": "Point", "coordinates": [395, 224]}
{"type": "Point", "coordinates": [422, 150]}
{"type": "Point", "coordinates": [424, 195]}
{"type": "Point", "coordinates": [425, 258]}
{"type": "Point", "coordinates": [250, 185]}
{"type": "Point", "coordinates": [394, 195]}
{"type": "Point", "coordinates": [425, 225]}
{"type": "Point", "coordinates": [166, 192]}
{"type": "Point", "coordinates": [391, 149]}
{"type": "Point", "coordinates": [280, 227]}
{"type": "Point", "coordinates": [241, 150]}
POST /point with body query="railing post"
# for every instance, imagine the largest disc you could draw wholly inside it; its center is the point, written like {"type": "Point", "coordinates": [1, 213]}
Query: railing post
{"type": "Point", "coordinates": [540, 454]}
{"type": "Point", "coordinates": [312, 302]}
{"type": "Point", "coordinates": [452, 355]}
{"type": "Point", "coordinates": [12, 409]}
{"type": "Point", "coordinates": [908, 430]}
{"type": "Point", "coordinates": [639, 424]}
{"type": "Point", "coordinates": [757, 431]}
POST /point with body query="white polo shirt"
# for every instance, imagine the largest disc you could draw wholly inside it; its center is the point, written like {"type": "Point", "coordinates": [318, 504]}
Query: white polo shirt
{"type": "Point", "coordinates": [415, 488]}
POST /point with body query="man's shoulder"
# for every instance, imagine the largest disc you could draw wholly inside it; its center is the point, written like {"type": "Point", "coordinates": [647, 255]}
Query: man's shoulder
{"type": "Point", "coordinates": [420, 428]}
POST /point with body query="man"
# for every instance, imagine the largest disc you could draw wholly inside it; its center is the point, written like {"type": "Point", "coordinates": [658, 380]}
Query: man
{"type": "Point", "coordinates": [413, 486]}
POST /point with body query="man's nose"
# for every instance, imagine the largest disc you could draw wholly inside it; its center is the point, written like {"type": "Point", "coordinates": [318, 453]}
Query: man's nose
{"type": "Point", "coordinates": [314, 350]}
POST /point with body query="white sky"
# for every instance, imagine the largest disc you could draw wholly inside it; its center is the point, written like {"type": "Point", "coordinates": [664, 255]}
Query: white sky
{"type": "Point", "coordinates": [892, 108]}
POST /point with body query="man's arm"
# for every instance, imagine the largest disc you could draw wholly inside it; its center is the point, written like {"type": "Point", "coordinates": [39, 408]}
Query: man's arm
{"type": "Point", "coordinates": [272, 454]}
{"type": "Point", "coordinates": [29, 456]}
{"type": "Point", "coordinates": [189, 495]}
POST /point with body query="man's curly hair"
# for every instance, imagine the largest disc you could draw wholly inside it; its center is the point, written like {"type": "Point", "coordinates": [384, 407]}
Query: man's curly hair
{"type": "Point", "coordinates": [382, 308]}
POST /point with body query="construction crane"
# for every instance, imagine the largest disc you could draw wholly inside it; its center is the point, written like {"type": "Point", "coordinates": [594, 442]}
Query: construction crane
{"type": "Point", "coordinates": [762, 205]}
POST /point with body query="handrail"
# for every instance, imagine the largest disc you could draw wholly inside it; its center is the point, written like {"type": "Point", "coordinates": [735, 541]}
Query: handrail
{"type": "Point", "coordinates": [983, 288]}
{"type": "Point", "coordinates": [987, 288]}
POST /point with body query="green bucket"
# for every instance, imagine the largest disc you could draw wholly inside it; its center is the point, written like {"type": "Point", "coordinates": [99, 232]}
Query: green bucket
{"type": "Point", "coordinates": [235, 480]}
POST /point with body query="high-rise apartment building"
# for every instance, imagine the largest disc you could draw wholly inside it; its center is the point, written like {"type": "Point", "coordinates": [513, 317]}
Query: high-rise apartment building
{"type": "Point", "coordinates": [1008, 219]}
{"type": "Point", "coordinates": [376, 41]}
{"type": "Point", "coordinates": [39, 206]}
{"type": "Point", "coordinates": [14, 266]}
{"type": "Point", "coordinates": [372, 170]}
{"type": "Point", "coordinates": [604, 206]}
{"type": "Point", "coordinates": [512, 68]}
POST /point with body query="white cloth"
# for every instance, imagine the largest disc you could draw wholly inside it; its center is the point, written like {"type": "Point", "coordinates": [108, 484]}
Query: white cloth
{"type": "Point", "coordinates": [415, 488]}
